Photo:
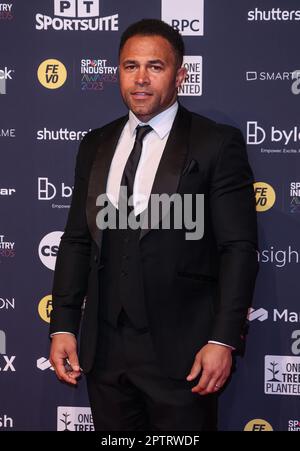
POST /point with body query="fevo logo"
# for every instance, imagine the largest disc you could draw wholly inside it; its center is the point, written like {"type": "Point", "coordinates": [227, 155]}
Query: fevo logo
{"type": "Point", "coordinates": [265, 196]}
{"type": "Point", "coordinates": [192, 85]}
{"type": "Point", "coordinates": [186, 17]}
{"type": "Point", "coordinates": [74, 419]}
{"type": "Point", "coordinates": [48, 249]}
{"type": "Point", "coordinates": [52, 74]}
{"type": "Point", "coordinates": [45, 308]}
{"type": "Point", "coordinates": [282, 375]}
{"type": "Point", "coordinates": [85, 12]}
{"type": "Point", "coordinates": [258, 425]}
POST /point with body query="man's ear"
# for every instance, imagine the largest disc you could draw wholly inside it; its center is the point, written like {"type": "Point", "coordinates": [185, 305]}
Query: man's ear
{"type": "Point", "coordinates": [180, 76]}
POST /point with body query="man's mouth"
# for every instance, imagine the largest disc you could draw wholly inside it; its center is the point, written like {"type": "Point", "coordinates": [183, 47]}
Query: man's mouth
{"type": "Point", "coordinates": [140, 94]}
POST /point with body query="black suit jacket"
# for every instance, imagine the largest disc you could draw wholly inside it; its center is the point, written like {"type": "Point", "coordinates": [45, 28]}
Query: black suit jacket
{"type": "Point", "coordinates": [194, 290]}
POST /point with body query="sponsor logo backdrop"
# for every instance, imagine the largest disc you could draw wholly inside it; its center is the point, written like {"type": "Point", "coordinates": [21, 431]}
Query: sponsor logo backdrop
{"type": "Point", "coordinates": [58, 79]}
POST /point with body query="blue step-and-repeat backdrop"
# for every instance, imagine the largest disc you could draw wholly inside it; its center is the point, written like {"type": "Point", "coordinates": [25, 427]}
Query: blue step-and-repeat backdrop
{"type": "Point", "coordinates": [59, 79]}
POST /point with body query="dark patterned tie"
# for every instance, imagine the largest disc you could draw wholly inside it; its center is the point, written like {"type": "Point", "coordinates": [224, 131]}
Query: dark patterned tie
{"type": "Point", "coordinates": [134, 158]}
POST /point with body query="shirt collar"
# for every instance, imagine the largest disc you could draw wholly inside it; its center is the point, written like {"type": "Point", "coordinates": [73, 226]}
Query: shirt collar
{"type": "Point", "coordinates": [161, 123]}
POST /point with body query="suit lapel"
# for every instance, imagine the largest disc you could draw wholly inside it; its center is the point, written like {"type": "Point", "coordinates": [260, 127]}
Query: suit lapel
{"type": "Point", "coordinates": [172, 160]}
{"type": "Point", "coordinates": [99, 173]}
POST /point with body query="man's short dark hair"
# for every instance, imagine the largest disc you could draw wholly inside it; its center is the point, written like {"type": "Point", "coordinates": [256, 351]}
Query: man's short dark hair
{"type": "Point", "coordinates": [155, 27]}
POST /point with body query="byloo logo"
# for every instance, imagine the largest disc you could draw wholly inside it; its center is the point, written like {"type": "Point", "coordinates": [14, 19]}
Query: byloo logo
{"type": "Point", "coordinates": [8, 361]}
{"type": "Point", "coordinates": [52, 74]}
{"type": "Point", "coordinates": [5, 75]}
{"type": "Point", "coordinates": [48, 191]}
{"type": "Point", "coordinates": [45, 308]}
{"type": "Point", "coordinates": [77, 15]}
{"type": "Point", "coordinates": [256, 134]}
{"type": "Point", "coordinates": [258, 425]}
{"type": "Point", "coordinates": [6, 11]}
{"type": "Point", "coordinates": [74, 419]}
{"type": "Point", "coordinates": [282, 375]}
{"type": "Point", "coordinates": [48, 249]}
{"type": "Point", "coordinates": [95, 73]}
{"type": "Point", "coordinates": [264, 196]}
{"type": "Point", "coordinates": [192, 85]}
{"type": "Point", "coordinates": [186, 17]}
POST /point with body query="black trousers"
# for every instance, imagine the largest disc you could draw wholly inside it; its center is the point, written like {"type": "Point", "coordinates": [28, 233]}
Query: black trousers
{"type": "Point", "coordinates": [128, 392]}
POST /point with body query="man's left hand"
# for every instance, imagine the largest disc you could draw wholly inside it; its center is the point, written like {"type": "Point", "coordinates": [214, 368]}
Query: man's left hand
{"type": "Point", "coordinates": [215, 362]}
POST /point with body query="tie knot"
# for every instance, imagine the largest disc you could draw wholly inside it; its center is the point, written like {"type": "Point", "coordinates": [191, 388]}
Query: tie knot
{"type": "Point", "coordinates": [141, 132]}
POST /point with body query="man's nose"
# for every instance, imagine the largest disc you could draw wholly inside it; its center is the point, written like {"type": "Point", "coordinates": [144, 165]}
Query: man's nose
{"type": "Point", "coordinates": [142, 77]}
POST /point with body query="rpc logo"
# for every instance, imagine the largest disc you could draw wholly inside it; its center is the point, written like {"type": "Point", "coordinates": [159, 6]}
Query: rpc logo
{"type": "Point", "coordinates": [186, 17]}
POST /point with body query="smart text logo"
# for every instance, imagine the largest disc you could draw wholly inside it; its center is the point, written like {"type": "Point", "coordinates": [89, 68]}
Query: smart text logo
{"type": "Point", "coordinates": [77, 15]}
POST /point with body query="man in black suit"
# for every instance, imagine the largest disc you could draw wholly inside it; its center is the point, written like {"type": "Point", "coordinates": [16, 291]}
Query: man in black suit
{"type": "Point", "coordinates": [163, 313]}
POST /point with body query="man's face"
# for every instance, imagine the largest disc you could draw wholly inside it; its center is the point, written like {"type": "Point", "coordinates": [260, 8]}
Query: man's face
{"type": "Point", "coordinates": [149, 76]}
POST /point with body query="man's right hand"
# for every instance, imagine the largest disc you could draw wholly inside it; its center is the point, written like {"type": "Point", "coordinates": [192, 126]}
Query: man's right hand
{"type": "Point", "coordinates": [64, 346]}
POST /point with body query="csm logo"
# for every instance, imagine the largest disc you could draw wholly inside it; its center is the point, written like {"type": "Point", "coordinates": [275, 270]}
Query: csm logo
{"type": "Point", "coordinates": [48, 249]}
{"type": "Point", "coordinates": [185, 16]}
{"type": "Point", "coordinates": [43, 364]}
{"type": "Point", "coordinates": [77, 15]}
{"type": "Point", "coordinates": [5, 74]}
{"type": "Point", "coordinates": [8, 361]}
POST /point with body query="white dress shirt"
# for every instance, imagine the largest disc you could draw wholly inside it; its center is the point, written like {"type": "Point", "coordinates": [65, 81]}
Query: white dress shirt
{"type": "Point", "coordinates": [152, 150]}
{"type": "Point", "coordinates": [153, 147]}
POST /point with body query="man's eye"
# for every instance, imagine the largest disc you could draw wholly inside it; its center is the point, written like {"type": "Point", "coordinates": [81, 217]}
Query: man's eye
{"type": "Point", "coordinates": [131, 67]}
{"type": "Point", "coordinates": [156, 68]}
